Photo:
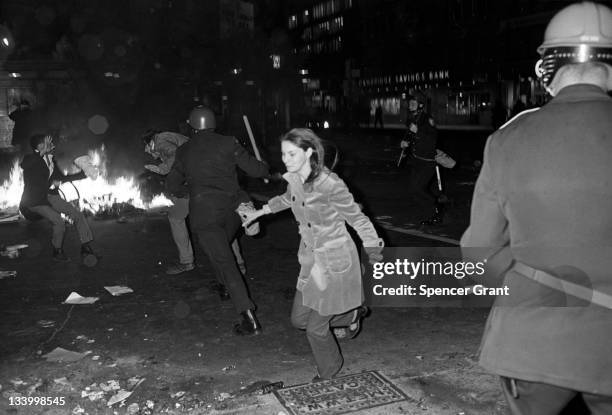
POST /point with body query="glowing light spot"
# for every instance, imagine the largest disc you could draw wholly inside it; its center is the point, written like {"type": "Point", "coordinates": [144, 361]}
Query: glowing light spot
{"type": "Point", "coordinates": [98, 124]}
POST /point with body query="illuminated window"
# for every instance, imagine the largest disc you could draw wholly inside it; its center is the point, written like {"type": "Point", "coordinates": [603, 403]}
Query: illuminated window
{"type": "Point", "coordinates": [293, 22]}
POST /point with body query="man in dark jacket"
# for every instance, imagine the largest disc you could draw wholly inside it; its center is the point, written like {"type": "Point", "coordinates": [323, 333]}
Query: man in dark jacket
{"type": "Point", "coordinates": [543, 206]}
{"type": "Point", "coordinates": [207, 165]}
{"type": "Point", "coordinates": [42, 177]}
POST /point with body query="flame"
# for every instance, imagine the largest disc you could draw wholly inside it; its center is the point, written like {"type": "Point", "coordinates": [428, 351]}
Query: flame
{"type": "Point", "coordinates": [93, 195]}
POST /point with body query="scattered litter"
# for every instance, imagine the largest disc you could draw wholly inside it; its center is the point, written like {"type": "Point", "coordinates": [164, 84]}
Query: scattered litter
{"type": "Point", "coordinates": [177, 394]}
{"type": "Point", "coordinates": [62, 355]}
{"type": "Point", "coordinates": [63, 381]}
{"type": "Point", "coordinates": [109, 386]}
{"type": "Point", "coordinates": [91, 341]}
{"type": "Point", "coordinates": [223, 396]}
{"type": "Point", "coordinates": [133, 382]}
{"type": "Point", "coordinates": [228, 368]}
{"type": "Point", "coordinates": [12, 251]}
{"type": "Point", "coordinates": [17, 382]}
{"type": "Point", "coordinates": [118, 290]}
{"type": "Point", "coordinates": [78, 410]}
{"type": "Point", "coordinates": [93, 392]}
{"type": "Point", "coordinates": [96, 357]}
{"type": "Point", "coordinates": [150, 404]}
{"type": "Point", "coordinates": [75, 298]}
{"type": "Point", "coordinates": [120, 396]}
{"type": "Point", "coordinates": [7, 274]}
{"type": "Point", "coordinates": [132, 409]}
{"type": "Point", "coordinates": [35, 386]}
{"type": "Point", "coordinates": [110, 329]}
{"type": "Point", "coordinates": [419, 357]}
{"type": "Point", "coordinates": [46, 323]}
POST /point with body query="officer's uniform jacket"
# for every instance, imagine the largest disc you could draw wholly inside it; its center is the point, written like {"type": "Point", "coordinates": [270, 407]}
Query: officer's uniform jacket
{"type": "Point", "coordinates": [544, 196]}
{"type": "Point", "coordinates": [423, 145]}
{"type": "Point", "coordinates": [207, 165]}
{"type": "Point", "coordinates": [330, 274]}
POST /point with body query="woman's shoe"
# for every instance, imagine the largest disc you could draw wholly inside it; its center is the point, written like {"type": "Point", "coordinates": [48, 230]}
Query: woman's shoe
{"type": "Point", "coordinates": [355, 327]}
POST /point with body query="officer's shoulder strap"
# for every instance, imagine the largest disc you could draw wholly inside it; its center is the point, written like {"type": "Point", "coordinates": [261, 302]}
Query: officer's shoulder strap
{"type": "Point", "coordinates": [517, 116]}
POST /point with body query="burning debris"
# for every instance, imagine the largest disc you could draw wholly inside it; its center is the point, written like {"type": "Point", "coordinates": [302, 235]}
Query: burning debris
{"type": "Point", "coordinates": [97, 195]}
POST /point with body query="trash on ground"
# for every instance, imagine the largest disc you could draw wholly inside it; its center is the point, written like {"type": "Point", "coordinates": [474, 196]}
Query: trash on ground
{"type": "Point", "coordinates": [111, 385]}
{"type": "Point", "coordinates": [93, 392]}
{"type": "Point", "coordinates": [228, 368]}
{"type": "Point", "coordinates": [17, 382]}
{"type": "Point", "coordinates": [76, 298]}
{"type": "Point", "coordinates": [46, 323]}
{"type": "Point", "coordinates": [118, 290]}
{"type": "Point", "coordinates": [120, 396]}
{"type": "Point", "coordinates": [132, 409]}
{"type": "Point", "coordinates": [12, 251]}
{"type": "Point", "coordinates": [177, 394]}
{"type": "Point", "coordinates": [78, 410]}
{"type": "Point", "coordinates": [64, 382]}
{"type": "Point", "coordinates": [35, 386]}
{"type": "Point", "coordinates": [7, 274]}
{"type": "Point", "coordinates": [133, 382]}
{"type": "Point", "coordinates": [223, 396]}
{"type": "Point", "coordinates": [62, 355]}
{"type": "Point", "coordinates": [96, 357]}
{"type": "Point", "coordinates": [150, 404]}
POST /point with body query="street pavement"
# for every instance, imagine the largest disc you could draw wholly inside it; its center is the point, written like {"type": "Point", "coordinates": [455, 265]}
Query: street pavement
{"type": "Point", "coordinates": [175, 333]}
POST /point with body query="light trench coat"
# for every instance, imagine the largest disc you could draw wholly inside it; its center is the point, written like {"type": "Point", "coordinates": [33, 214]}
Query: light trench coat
{"type": "Point", "coordinates": [330, 274]}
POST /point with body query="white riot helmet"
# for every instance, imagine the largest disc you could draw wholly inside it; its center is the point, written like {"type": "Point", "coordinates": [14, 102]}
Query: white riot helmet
{"type": "Point", "coordinates": [581, 32]}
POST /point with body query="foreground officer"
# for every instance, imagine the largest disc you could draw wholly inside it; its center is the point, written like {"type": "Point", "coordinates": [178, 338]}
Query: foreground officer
{"type": "Point", "coordinates": [543, 201]}
{"type": "Point", "coordinates": [207, 164]}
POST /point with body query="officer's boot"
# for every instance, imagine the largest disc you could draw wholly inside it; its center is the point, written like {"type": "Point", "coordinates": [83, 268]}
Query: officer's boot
{"type": "Point", "coordinates": [249, 324]}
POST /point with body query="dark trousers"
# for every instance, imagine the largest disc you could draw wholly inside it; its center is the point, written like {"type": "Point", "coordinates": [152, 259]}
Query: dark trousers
{"type": "Point", "coordinates": [52, 213]}
{"type": "Point", "coordinates": [320, 336]}
{"type": "Point", "coordinates": [532, 398]}
{"type": "Point", "coordinates": [422, 182]}
{"type": "Point", "coordinates": [215, 223]}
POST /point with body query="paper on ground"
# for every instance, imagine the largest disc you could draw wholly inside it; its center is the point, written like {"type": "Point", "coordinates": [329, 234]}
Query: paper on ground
{"type": "Point", "coordinates": [122, 395]}
{"type": "Point", "coordinates": [62, 355]}
{"type": "Point", "coordinates": [7, 274]}
{"type": "Point", "coordinates": [118, 290]}
{"type": "Point", "coordinates": [75, 298]}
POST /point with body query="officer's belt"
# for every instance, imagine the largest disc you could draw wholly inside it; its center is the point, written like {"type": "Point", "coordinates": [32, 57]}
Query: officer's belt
{"type": "Point", "coordinates": [552, 281]}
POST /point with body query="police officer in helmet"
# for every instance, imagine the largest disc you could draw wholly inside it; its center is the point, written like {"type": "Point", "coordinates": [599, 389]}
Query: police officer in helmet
{"type": "Point", "coordinates": [543, 206]}
{"type": "Point", "coordinates": [207, 166]}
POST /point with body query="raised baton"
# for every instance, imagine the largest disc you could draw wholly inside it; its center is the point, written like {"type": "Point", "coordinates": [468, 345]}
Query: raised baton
{"type": "Point", "coordinates": [255, 149]}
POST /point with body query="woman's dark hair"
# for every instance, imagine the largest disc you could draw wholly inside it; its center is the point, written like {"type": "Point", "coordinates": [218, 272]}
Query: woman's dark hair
{"type": "Point", "coordinates": [36, 139]}
{"type": "Point", "coordinates": [149, 135]}
{"type": "Point", "coordinates": [305, 138]}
